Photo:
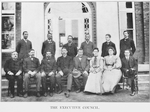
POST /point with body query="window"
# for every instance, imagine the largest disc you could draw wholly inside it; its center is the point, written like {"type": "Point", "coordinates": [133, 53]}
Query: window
{"type": "Point", "coordinates": [8, 27]}
{"type": "Point", "coordinates": [127, 19]}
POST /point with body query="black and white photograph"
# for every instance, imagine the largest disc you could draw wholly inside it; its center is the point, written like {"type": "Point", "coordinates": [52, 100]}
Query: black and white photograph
{"type": "Point", "coordinates": [75, 51]}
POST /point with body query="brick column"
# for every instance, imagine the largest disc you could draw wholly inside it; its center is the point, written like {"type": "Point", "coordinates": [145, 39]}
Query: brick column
{"type": "Point", "coordinates": [139, 25]}
{"type": "Point", "coordinates": [146, 30]}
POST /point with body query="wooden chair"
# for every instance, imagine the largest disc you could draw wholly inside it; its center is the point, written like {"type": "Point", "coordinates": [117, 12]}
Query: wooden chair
{"type": "Point", "coordinates": [135, 79]}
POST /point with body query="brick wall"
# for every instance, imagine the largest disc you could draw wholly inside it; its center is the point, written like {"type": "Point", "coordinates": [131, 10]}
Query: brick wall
{"type": "Point", "coordinates": [139, 31]}
{"type": "Point", "coordinates": [142, 31]}
{"type": "Point", "coordinates": [146, 30]}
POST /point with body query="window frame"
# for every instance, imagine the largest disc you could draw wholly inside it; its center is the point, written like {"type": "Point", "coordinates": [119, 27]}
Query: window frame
{"type": "Point", "coordinates": [127, 10]}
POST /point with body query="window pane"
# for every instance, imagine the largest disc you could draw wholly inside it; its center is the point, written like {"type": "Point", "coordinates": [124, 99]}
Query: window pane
{"type": "Point", "coordinates": [128, 4]}
{"type": "Point", "coordinates": [129, 20]}
{"type": "Point", "coordinates": [62, 34]}
{"type": "Point", "coordinates": [75, 31]}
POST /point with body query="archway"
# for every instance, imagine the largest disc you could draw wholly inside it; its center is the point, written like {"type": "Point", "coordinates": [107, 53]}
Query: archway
{"type": "Point", "coordinates": [68, 18]}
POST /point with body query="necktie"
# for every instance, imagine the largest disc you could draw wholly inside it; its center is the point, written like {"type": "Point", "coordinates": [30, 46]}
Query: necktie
{"type": "Point", "coordinates": [95, 60]}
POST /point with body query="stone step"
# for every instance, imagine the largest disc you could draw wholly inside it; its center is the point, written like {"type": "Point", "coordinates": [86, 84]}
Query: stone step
{"type": "Point", "coordinates": [143, 77]}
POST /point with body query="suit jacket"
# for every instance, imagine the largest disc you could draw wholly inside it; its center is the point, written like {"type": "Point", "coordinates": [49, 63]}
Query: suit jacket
{"type": "Point", "coordinates": [48, 47]}
{"type": "Point", "coordinates": [105, 46]}
{"type": "Point", "coordinates": [72, 50]}
{"type": "Point", "coordinates": [13, 66]}
{"type": "Point", "coordinates": [48, 65]}
{"type": "Point", "coordinates": [87, 48]}
{"type": "Point", "coordinates": [31, 65]}
{"type": "Point", "coordinates": [84, 63]}
{"type": "Point", "coordinates": [126, 44]}
{"type": "Point", "coordinates": [64, 63]}
{"type": "Point", "coordinates": [129, 64]}
{"type": "Point", "coordinates": [23, 48]}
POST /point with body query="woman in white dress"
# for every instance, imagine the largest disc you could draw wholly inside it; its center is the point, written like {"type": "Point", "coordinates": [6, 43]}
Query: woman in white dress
{"type": "Point", "coordinates": [93, 84]}
{"type": "Point", "coordinates": [112, 73]}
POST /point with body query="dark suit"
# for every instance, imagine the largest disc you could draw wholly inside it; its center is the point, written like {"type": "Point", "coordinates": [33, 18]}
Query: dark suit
{"type": "Point", "coordinates": [31, 65]}
{"type": "Point", "coordinates": [72, 49]}
{"type": "Point", "coordinates": [64, 64]}
{"type": "Point", "coordinates": [48, 46]}
{"type": "Point", "coordinates": [105, 46]}
{"type": "Point", "coordinates": [47, 66]}
{"type": "Point", "coordinates": [81, 65]}
{"type": "Point", "coordinates": [87, 48]}
{"type": "Point", "coordinates": [23, 48]}
{"type": "Point", "coordinates": [127, 65]}
{"type": "Point", "coordinates": [126, 44]}
{"type": "Point", "coordinates": [14, 67]}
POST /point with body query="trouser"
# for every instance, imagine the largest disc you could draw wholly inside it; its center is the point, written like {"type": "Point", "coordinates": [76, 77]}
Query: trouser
{"type": "Point", "coordinates": [131, 83]}
{"type": "Point", "coordinates": [45, 84]}
{"type": "Point", "coordinates": [77, 81]}
{"type": "Point", "coordinates": [27, 81]}
{"type": "Point", "coordinates": [67, 75]}
{"type": "Point", "coordinates": [19, 80]}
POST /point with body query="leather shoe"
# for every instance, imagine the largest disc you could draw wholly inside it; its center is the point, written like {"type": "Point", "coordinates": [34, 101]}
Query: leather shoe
{"type": "Point", "coordinates": [20, 95]}
{"type": "Point", "coordinates": [67, 94]}
{"type": "Point", "coordinates": [25, 95]}
{"type": "Point", "coordinates": [45, 94]}
{"type": "Point", "coordinates": [132, 94]}
{"type": "Point", "coordinates": [51, 94]}
{"type": "Point", "coordinates": [60, 91]}
{"type": "Point", "coordinates": [78, 91]}
{"type": "Point", "coordinates": [11, 96]}
{"type": "Point", "coordinates": [38, 94]}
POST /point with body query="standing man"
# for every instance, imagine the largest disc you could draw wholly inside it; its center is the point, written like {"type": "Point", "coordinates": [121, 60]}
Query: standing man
{"type": "Point", "coordinates": [31, 69]}
{"type": "Point", "coordinates": [71, 47]}
{"type": "Point", "coordinates": [81, 67]}
{"type": "Point", "coordinates": [13, 69]}
{"type": "Point", "coordinates": [129, 68]}
{"type": "Point", "coordinates": [24, 46]}
{"type": "Point", "coordinates": [106, 45]}
{"type": "Point", "coordinates": [48, 45]}
{"type": "Point", "coordinates": [48, 71]}
{"type": "Point", "coordinates": [126, 43]}
{"type": "Point", "coordinates": [87, 47]}
{"type": "Point", "coordinates": [64, 69]}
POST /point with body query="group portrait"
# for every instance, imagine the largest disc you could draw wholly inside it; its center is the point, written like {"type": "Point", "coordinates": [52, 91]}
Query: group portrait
{"type": "Point", "coordinates": [75, 51]}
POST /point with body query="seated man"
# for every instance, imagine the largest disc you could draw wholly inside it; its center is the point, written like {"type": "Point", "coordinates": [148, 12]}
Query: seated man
{"type": "Point", "coordinates": [13, 69]}
{"type": "Point", "coordinates": [48, 70]}
{"type": "Point", "coordinates": [81, 67]}
{"type": "Point", "coordinates": [129, 68]}
{"type": "Point", "coordinates": [64, 69]}
{"type": "Point", "coordinates": [31, 69]}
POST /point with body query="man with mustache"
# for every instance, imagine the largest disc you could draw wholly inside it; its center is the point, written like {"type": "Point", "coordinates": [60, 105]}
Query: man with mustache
{"type": "Point", "coordinates": [13, 69]}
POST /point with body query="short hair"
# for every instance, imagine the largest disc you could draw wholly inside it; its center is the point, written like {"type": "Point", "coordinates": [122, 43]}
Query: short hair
{"type": "Point", "coordinates": [64, 48]}
{"type": "Point", "coordinates": [31, 50]}
{"type": "Point", "coordinates": [96, 49]}
{"type": "Point", "coordinates": [70, 36]}
{"type": "Point", "coordinates": [49, 34]}
{"type": "Point", "coordinates": [111, 48]}
{"type": "Point", "coordinates": [125, 31]}
{"type": "Point", "coordinates": [24, 32]}
{"type": "Point", "coordinates": [108, 35]}
{"type": "Point", "coordinates": [80, 49]}
{"type": "Point", "coordinates": [14, 52]}
{"type": "Point", "coordinates": [128, 50]}
{"type": "Point", "coordinates": [48, 51]}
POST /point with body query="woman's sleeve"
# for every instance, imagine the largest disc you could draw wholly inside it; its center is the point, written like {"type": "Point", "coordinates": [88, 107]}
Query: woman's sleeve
{"type": "Point", "coordinates": [104, 63]}
{"type": "Point", "coordinates": [117, 63]}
